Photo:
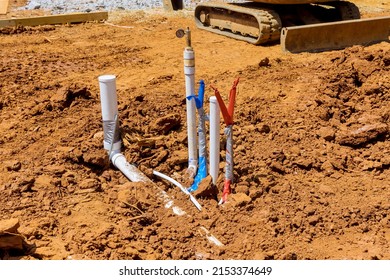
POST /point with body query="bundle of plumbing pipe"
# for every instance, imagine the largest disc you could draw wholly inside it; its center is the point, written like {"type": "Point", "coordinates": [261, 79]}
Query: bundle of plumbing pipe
{"type": "Point", "coordinates": [112, 143]}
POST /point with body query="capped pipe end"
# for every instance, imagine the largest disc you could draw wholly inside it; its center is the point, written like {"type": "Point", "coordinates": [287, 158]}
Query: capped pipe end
{"type": "Point", "coordinates": [107, 78]}
{"type": "Point", "coordinates": [213, 99]}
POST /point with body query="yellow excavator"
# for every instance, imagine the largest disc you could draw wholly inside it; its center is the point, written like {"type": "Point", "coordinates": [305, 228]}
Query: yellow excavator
{"type": "Point", "coordinates": [300, 25]}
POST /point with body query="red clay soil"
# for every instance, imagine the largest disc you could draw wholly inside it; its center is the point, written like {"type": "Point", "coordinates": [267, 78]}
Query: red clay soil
{"type": "Point", "coordinates": [312, 147]}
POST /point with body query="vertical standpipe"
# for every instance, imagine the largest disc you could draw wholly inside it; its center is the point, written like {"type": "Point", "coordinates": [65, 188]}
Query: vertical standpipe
{"type": "Point", "coordinates": [202, 158]}
{"type": "Point", "coordinates": [189, 72]}
{"type": "Point", "coordinates": [215, 127]}
{"type": "Point", "coordinates": [112, 142]}
{"type": "Point", "coordinates": [109, 103]}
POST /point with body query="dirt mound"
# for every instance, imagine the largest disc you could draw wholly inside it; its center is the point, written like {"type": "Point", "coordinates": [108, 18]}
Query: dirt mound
{"type": "Point", "coordinates": [311, 146]}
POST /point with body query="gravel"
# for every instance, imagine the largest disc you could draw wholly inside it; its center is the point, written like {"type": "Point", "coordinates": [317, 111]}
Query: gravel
{"type": "Point", "coordinates": [73, 6]}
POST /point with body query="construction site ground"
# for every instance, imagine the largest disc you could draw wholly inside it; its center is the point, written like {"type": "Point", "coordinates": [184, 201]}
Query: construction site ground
{"type": "Point", "coordinates": [311, 152]}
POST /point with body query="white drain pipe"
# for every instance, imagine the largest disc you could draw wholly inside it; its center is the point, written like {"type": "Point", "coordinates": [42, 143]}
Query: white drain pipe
{"type": "Point", "coordinates": [112, 142]}
{"type": "Point", "coordinates": [109, 103]}
{"type": "Point", "coordinates": [189, 72]}
{"type": "Point", "coordinates": [130, 171]}
{"type": "Point", "coordinates": [215, 126]}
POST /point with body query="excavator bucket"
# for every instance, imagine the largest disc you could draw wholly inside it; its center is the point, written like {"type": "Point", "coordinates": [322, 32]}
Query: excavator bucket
{"type": "Point", "coordinates": [335, 35]}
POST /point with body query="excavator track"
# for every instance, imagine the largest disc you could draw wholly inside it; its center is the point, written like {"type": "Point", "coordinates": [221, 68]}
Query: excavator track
{"type": "Point", "coordinates": [347, 10]}
{"type": "Point", "coordinates": [243, 22]}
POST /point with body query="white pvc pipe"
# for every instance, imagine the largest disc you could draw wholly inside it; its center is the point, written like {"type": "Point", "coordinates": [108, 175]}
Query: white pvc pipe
{"type": "Point", "coordinates": [130, 171]}
{"type": "Point", "coordinates": [109, 104]}
{"type": "Point", "coordinates": [180, 186]}
{"type": "Point", "coordinates": [215, 126]}
{"type": "Point", "coordinates": [189, 72]}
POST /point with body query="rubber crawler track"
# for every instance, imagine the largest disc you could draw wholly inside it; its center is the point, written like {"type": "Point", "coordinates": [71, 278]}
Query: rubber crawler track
{"type": "Point", "coordinates": [266, 20]}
